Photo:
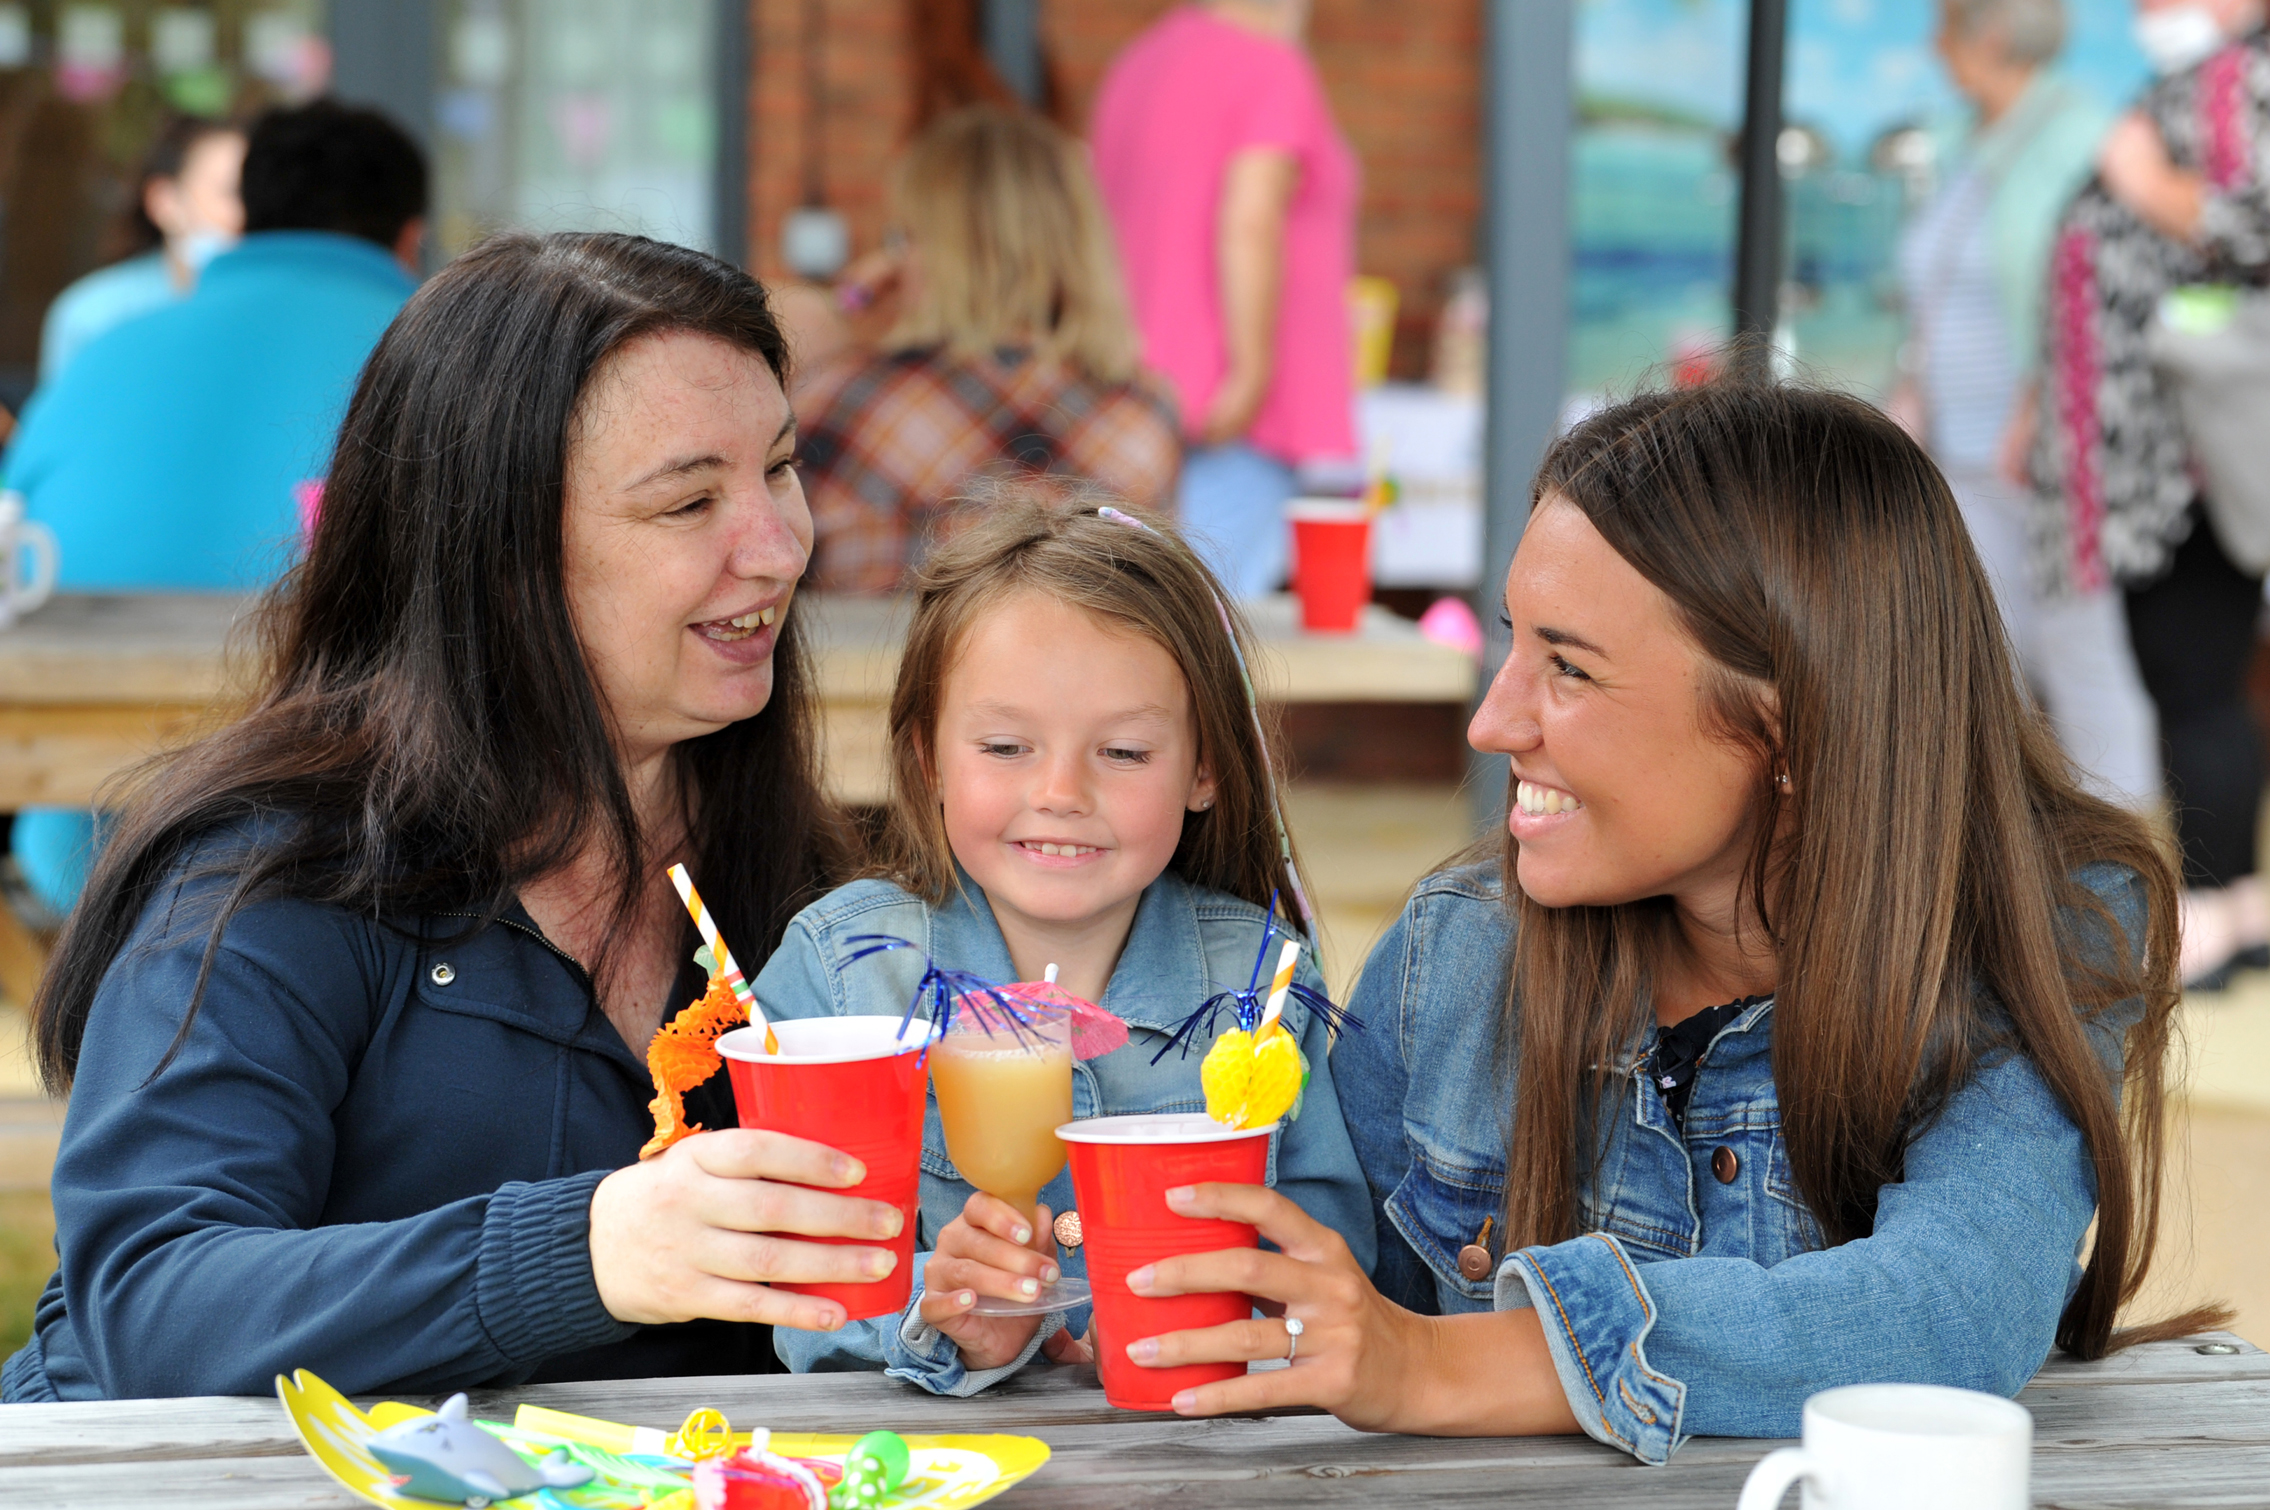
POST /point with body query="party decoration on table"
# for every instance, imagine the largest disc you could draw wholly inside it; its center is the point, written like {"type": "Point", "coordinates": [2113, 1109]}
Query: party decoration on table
{"type": "Point", "coordinates": [1255, 1072]}
{"type": "Point", "coordinates": [1010, 1007]}
{"type": "Point", "coordinates": [446, 1457]}
{"type": "Point", "coordinates": [705, 1433]}
{"type": "Point", "coordinates": [756, 1481]}
{"type": "Point", "coordinates": [722, 956]}
{"type": "Point", "coordinates": [624, 1467]}
{"type": "Point", "coordinates": [876, 1465]}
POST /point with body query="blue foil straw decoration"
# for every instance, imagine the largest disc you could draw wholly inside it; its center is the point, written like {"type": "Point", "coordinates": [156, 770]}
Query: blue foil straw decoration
{"type": "Point", "coordinates": [1246, 1006]}
{"type": "Point", "coordinates": [945, 989]}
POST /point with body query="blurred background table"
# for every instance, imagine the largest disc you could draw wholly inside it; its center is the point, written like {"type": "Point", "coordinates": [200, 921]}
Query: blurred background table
{"type": "Point", "coordinates": [2160, 1425]}
{"type": "Point", "coordinates": [93, 683]}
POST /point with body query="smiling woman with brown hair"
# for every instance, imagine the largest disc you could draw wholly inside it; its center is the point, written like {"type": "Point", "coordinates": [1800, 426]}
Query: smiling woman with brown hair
{"type": "Point", "coordinates": [354, 1013]}
{"type": "Point", "coordinates": [1809, 1018]}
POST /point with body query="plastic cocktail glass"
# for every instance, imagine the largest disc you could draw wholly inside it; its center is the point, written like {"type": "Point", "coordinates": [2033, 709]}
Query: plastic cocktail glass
{"type": "Point", "coordinates": [1004, 1085]}
{"type": "Point", "coordinates": [1122, 1168]}
{"type": "Point", "coordinates": [856, 1084]}
{"type": "Point", "coordinates": [1331, 562]}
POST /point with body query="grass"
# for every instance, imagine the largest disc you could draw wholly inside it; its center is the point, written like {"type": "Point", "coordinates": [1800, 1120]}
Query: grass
{"type": "Point", "coordinates": [27, 1258]}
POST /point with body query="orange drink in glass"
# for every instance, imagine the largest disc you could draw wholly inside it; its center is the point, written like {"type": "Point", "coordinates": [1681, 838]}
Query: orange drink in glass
{"type": "Point", "coordinates": [1003, 1078]}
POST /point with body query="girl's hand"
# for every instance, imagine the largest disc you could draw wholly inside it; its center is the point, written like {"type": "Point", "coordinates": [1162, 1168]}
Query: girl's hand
{"type": "Point", "coordinates": [990, 1249]}
{"type": "Point", "coordinates": [686, 1235]}
{"type": "Point", "coordinates": [1360, 1356]}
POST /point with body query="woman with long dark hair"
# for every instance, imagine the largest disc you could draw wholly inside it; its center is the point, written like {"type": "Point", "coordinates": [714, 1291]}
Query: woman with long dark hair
{"type": "Point", "coordinates": [353, 1014]}
{"type": "Point", "coordinates": [1805, 1022]}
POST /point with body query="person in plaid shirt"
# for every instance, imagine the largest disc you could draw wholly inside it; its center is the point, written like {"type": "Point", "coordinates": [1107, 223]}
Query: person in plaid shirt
{"type": "Point", "coordinates": [1013, 352]}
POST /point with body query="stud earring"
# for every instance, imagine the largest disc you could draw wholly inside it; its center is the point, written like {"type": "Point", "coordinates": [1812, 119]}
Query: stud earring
{"type": "Point", "coordinates": [1782, 779]}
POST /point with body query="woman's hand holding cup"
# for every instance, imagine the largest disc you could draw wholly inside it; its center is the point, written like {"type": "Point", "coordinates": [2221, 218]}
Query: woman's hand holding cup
{"type": "Point", "coordinates": [693, 1233]}
{"type": "Point", "coordinates": [990, 1249]}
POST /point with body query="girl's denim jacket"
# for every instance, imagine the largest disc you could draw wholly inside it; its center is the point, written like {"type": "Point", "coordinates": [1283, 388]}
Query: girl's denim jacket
{"type": "Point", "coordinates": [1187, 943]}
{"type": "Point", "coordinates": [1700, 1300]}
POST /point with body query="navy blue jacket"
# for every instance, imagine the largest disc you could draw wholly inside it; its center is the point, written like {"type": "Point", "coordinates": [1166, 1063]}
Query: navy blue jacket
{"type": "Point", "coordinates": [373, 1158]}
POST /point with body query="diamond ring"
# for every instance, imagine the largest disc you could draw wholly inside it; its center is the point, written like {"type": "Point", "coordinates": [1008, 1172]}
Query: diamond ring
{"type": "Point", "coordinates": [1293, 1330]}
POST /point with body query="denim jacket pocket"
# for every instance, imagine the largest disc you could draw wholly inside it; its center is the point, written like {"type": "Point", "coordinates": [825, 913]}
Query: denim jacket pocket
{"type": "Point", "coordinates": [1439, 1209]}
{"type": "Point", "coordinates": [1801, 1234]}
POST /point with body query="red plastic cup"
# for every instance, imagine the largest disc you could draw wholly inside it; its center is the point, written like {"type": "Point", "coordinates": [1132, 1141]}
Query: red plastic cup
{"type": "Point", "coordinates": [1331, 562]}
{"type": "Point", "coordinates": [856, 1085]}
{"type": "Point", "coordinates": [1122, 1169]}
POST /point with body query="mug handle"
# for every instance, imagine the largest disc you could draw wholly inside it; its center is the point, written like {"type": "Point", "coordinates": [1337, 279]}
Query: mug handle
{"type": "Point", "coordinates": [41, 539]}
{"type": "Point", "coordinates": [1775, 1472]}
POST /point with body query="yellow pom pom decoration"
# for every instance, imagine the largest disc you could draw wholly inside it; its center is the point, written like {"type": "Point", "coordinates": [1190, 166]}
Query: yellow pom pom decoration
{"type": "Point", "coordinates": [1253, 1079]}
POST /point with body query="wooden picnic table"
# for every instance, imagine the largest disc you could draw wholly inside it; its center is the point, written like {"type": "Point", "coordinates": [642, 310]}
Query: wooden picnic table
{"type": "Point", "coordinates": [93, 682]}
{"type": "Point", "coordinates": [2180, 1423]}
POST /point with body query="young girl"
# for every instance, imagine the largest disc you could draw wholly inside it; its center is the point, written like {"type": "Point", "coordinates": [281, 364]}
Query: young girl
{"type": "Point", "coordinates": [1078, 779]}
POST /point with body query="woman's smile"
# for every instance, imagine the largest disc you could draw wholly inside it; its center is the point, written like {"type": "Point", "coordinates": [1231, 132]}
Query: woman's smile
{"type": "Point", "coordinates": [745, 639]}
{"type": "Point", "coordinates": [1542, 807]}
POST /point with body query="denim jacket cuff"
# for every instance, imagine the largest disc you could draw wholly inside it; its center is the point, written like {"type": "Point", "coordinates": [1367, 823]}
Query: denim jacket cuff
{"type": "Point", "coordinates": [919, 1353]}
{"type": "Point", "coordinates": [1597, 1315]}
{"type": "Point", "coordinates": [533, 1286]}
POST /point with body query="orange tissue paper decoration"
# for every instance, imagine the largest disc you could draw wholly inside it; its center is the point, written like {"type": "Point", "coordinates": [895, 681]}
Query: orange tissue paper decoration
{"type": "Point", "coordinates": [683, 1055]}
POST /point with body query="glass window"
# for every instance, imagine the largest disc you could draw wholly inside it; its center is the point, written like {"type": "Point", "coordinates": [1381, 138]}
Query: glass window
{"type": "Point", "coordinates": [84, 89]}
{"type": "Point", "coordinates": [1659, 100]}
{"type": "Point", "coordinates": [604, 117]}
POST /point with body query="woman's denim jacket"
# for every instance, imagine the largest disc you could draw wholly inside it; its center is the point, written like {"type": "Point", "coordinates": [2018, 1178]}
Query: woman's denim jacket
{"type": "Point", "coordinates": [1187, 943]}
{"type": "Point", "coordinates": [1699, 1300]}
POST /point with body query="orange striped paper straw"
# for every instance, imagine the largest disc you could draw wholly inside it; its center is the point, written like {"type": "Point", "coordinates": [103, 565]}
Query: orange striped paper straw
{"type": "Point", "coordinates": [1279, 988]}
{"type": "Point", "coordinates": [725, 965]}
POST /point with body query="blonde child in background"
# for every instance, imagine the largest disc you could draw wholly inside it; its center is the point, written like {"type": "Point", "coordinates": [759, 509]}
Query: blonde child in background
{"type": "Point", "coordinates": [1078, 779]}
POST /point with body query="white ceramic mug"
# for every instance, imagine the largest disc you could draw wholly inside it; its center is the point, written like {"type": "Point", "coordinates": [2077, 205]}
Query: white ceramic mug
{"type": "Point", "coordinates": [1896, 1446]}
{"type": "Point", "coordinates": [18, 537]}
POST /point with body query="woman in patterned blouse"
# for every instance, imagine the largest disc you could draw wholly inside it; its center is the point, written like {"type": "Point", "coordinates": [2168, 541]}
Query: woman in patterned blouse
{"type": "Point", "coordinates": [2181, 196]}
{"type": "Point", "coordinates": [1013, 351]}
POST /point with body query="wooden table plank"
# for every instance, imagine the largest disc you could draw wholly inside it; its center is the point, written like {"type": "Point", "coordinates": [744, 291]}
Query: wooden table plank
{"type": "Point", "coordinates": [2163, 1425]}
{"type": "Point", "coordinates": [93, 683]}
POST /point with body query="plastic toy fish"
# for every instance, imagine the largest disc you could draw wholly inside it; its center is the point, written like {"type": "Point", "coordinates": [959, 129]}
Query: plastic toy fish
{"type": "Point", "coordinates": [446, 1457]}
{"type": "Point", "coordinates": [1255, 1073]}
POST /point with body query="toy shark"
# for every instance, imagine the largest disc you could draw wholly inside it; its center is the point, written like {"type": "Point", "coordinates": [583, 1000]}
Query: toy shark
{"type": "Point", "coordinates": [446, 1457]}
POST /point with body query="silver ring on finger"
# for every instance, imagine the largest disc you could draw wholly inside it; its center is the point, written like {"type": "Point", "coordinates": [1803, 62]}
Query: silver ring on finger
{"type": "Point", "coordinates": [1293, 1330]}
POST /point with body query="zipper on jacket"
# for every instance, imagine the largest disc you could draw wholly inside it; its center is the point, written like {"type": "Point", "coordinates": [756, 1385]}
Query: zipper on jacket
{"type": "Point", "coordinates": [590, 990]}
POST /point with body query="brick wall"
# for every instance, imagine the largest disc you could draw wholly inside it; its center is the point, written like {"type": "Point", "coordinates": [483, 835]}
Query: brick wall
{"type": "Point", "coordinates": [1403, 76]}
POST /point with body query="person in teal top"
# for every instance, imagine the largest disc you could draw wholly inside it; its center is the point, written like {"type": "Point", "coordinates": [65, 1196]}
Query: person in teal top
{"type": "Point", "coordinates": [187, 212]}
{"type": "Point", "coordinates": [169, 455]}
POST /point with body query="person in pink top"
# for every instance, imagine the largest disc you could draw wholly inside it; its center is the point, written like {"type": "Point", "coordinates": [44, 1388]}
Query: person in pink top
{"type": "Point", "coordinates": [1233, 195]}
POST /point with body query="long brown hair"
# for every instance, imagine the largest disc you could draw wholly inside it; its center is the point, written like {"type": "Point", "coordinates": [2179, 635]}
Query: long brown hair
{"type": "Point", "coordinates": [1916, 876]}
{"type": "Point", "coordinates": [1013, 246]}
{"type": "Point", "coordinates": [428, 736]}
{"type": "Point", "coordinates": [1050, 538]}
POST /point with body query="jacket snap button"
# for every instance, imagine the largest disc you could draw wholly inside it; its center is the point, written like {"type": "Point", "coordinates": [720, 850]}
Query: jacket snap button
{"type": "Point", "coordinates": [443, 974]}
{"type": "Point", "coordinates": [1067, 1228]}
{"type": "Point", "coordinates": [1474, 1262]}
{"type": "Point", "coordinates": [1725, 1165]}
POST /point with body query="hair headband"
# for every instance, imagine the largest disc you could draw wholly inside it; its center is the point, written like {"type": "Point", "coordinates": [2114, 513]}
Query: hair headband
{"type": "Point", "coordinates": [1253, 710]}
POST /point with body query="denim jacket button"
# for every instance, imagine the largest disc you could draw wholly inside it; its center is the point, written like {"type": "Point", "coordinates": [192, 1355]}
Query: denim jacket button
{"type": "Point", "coordinates": [1474, 1262]}
{"type": "Point", "coordinates": [1725, 1164]}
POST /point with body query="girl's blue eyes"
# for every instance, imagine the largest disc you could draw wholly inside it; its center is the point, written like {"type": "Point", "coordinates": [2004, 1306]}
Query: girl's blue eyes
{"type": "Point", "coordinates": [1135, 757]}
